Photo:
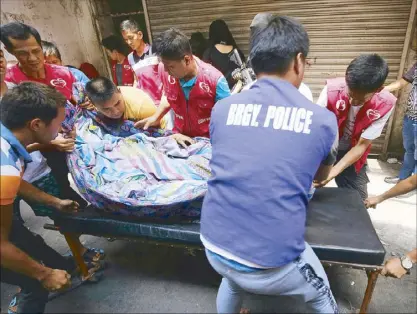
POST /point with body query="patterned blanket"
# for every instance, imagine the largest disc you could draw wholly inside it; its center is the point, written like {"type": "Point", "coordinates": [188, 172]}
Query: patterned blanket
{"type": "Point", "coordinates": [123, 170]}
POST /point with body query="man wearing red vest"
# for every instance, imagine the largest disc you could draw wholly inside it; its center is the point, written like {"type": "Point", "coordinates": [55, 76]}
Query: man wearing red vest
{"type": "Point", "coordinates": [191, 87]}
{"type": "Point", "coordinates": [143, 61]}
{"type": "Point", "coordinates": [362, 108]}
{"type": "Point", "coordinates": [117, 50]}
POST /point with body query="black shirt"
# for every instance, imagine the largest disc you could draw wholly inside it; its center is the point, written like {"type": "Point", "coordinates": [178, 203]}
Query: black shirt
{"type": "Point", "coordinates": [224, 62]}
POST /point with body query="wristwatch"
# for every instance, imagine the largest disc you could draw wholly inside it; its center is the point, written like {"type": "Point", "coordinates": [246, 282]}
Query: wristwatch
{"type": "Point", "coordinates": [406, 263]}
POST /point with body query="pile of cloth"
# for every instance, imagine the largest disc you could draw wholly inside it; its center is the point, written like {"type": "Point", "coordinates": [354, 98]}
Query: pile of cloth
{"type": "Point", "coordinates": [126, 171]}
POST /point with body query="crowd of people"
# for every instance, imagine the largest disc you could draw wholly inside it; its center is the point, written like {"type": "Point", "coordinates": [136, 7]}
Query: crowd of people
{"type": "Point", "coordinates": [183, 85]}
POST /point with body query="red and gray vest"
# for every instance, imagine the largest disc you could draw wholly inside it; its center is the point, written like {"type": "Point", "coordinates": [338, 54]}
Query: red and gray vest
{"type": "Point", "coordinates": [127, 74]}
{"type": "Point", "coordinates": [146, 71]}
{"type": "Point", "coordinates": [338, 102]}
{"type": "Point", "coordinates": [192, 117]}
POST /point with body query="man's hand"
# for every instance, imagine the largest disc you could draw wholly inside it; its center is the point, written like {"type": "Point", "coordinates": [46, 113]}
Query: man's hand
{"type": "Point", "coordinates": [393, 268]}
{"type": "Point", "coordinates": [320, 184]}
{"type": "Point", "coordinates": [63, 144]}
{"type": "Point", "coordinates": [56, 279]}
{"type": "Point", "coordinates": [72, 134]}
{"type": "Point", "coordinates": [371, 202]}
{"type": "Point", "coordinates": [67, 206]}
{"type": "Point", "coordinates": [146, 123]}
{"type": "Point", "coordinates": [87, 104]}
{"type": "Point", "coordinates": [183, 140]}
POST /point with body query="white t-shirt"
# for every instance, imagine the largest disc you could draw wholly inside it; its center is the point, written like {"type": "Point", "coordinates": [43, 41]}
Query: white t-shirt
{"type": "Point", "coordinates": [303, 89]}
{"type": "Point", "coordinates": [36, 169]}
{"type": "Point", "coordinates": [372, 132]}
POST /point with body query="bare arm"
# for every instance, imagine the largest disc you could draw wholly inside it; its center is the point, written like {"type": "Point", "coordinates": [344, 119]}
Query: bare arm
{"type": "Point", "coordinates": [399, 84]}
{"type": "Point", "coordinates": [3, 88]}
{"type": "Point", "coordinates": [402, 187]}
{"type": "Point", "coordinates": [349, 159]}
{"type": "Point", "coordinates": [33, 195]}
{"type": "Point", "coordinates": [12, 257]}
{"type": "Point", "coordinates": [327, 165]}
{"type": "Point", "coordinates": [155, 119]}
{"type": "Point", "coordinates": [323, 172]}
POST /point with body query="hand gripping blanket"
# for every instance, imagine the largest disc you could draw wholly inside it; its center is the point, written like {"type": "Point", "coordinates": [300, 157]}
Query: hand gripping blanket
{"type": "Point", "coordinates": [126, 171]}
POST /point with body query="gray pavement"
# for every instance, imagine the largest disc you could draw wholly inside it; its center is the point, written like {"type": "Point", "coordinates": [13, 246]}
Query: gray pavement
{"type": "Point", "coordinates": [148, 278]}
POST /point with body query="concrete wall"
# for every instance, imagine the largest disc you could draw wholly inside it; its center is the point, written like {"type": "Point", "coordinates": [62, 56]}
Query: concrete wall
{"type": "Point", "coordinates": [395, 147]}
{"type": "Point", "coordinates": [68, 23]}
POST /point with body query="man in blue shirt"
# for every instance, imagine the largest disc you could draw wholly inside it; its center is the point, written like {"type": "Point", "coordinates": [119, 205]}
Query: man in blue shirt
{"type": "Point", "coordinates": [269, 143]}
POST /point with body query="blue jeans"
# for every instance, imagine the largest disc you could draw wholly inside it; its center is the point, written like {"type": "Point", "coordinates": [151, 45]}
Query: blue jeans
{"type": "Point", "coordinates": [410, 145]}
{"type": "Point", "coordinates": [303, 278]}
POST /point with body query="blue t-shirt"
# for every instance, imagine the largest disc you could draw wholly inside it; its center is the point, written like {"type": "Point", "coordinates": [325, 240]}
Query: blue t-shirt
{"type": "Point", "coordinates": [268, 143]}
{"type": "Point", "coordinates": [222, 88]}
{"type": "Point", "coordinates": [79, 76]}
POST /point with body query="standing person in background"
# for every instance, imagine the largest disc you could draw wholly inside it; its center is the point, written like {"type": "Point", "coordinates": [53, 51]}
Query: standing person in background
{"type": "Point", "coordinates": [362, 109]}
{"type": "Point", "coordinates": [409, 125]}
{"type": "Point", "coordinates": [191, 86]}
{"type": "Point", "coordinates": [220, 53]}
{"type": "Point", "coordinates": [260, 21]}
{"type": "Point", "coordinates": [397, 266]}
{"type": "Point", "coordinates": [198, 44]}
{"type": "Point", "coordinates": [53, 56]}
{"type": "Point", "coordinates": [142, 60]}
{"type": "Point", "coordinates": [117, 51]}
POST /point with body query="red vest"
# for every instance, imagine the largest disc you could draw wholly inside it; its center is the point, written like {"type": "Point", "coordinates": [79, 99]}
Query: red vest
{"type": "Point", "coordinates": [192, 118]}
{"type": "Point", "coordinates": [127, 74]}
{"type": "Point", "coordinates": [56, 76]}
{"type": "Point", "coordinates": [146, 71]}
{"type": "Point", "coordinates": [338, 102]}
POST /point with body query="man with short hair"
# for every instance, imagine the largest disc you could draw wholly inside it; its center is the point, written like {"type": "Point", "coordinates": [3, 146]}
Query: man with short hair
{"type": "Point", "coordinates": [191, 87]}
{"type": "Point", "coordinates": [143, 61]}
{"type": "Point", "coordinates": [30, 112]}
{"type": "Point", "coordinates": [24, 42]}
{"type": "Point", "coordinates": [254, 213]}
{"type": "Point", "coordinates": [117, 51]}
{"type": "Point", "coordinates": [120, 102]}
{"type": "Point", "coordinates": [362, 109]}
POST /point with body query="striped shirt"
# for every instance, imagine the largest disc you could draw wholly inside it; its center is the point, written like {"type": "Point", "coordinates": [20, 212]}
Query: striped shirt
{"type": "Point", "coordinates": [13, 157]}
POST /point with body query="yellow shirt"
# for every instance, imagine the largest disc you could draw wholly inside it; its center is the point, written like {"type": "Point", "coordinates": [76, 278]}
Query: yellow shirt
{"type": "Point", "coordinates": [138, 104]}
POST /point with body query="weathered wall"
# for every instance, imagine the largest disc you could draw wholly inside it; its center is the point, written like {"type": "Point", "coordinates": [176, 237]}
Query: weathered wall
{"type": "Point", "coordinates": [395, 147]}
{"type": "Point", "coordinates": [68, 23]}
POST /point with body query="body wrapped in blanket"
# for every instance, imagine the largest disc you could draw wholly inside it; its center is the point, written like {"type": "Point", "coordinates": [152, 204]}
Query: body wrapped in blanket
{"type": "Point", "coordinates": [126, 171]}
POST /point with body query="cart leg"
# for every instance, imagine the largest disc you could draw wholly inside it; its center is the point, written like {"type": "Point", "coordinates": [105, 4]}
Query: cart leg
{"type": "Point", "coordinates": [372, 278]}
{"type": "Point", "coordinates": [76, 252]}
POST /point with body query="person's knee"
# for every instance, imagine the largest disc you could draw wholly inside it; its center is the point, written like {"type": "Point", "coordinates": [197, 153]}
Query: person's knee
{"type": "Point", "coordinates": [230, 286]}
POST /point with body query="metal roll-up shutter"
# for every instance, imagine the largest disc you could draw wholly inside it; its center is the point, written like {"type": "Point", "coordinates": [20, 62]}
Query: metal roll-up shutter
{"type": "Point", "coordinates": [339, 30]}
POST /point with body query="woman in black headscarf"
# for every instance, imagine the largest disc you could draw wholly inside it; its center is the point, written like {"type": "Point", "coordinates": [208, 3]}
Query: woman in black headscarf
{"type": "Point", "coordinates": [222, 50]}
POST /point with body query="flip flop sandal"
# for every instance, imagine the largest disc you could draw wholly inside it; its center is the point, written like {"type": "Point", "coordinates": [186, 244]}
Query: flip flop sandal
{"type": "Point", "coordinates": [12, 309]}
{"type": "Point", "coordinates": [94, 255]}
{"type": "Point", "coordinates": [97, 266]}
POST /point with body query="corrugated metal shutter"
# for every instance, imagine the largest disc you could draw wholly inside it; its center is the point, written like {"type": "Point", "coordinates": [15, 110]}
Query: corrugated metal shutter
{"type": "Point", "coordinates": [339, 30]}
